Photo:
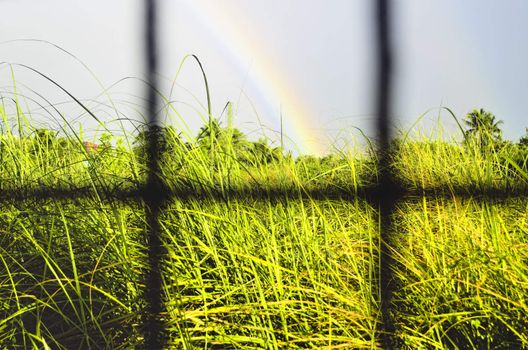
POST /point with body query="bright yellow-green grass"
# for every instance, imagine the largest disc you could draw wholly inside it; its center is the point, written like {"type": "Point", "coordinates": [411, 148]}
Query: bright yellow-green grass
{"type": "Point", "coordinates": [462, 267]}
{"type": "Point", "coordinates": [261, 273]}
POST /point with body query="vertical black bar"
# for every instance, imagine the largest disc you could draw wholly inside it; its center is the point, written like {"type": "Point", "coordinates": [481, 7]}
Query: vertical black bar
{"type": "Point", "coordinates": [388, 192]}
{"type": "Point", "coordinates": [152, 194]}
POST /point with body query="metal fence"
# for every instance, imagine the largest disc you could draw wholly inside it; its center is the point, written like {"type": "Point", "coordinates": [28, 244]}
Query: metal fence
{"type": "Point", "coordinates": [385, 194]}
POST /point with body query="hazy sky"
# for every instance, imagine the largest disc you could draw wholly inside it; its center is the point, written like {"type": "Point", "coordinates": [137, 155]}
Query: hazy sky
{"type": "Point", "coordinates": [312, 59]}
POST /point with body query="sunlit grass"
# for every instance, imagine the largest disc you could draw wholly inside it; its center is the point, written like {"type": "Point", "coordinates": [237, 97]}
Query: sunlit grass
{"type": "Point", "coordinates": [462, 269]}
{"type": "Point", "coordinates": [271, 274]}
{"type": "Point", "coordinates": [262, 271]}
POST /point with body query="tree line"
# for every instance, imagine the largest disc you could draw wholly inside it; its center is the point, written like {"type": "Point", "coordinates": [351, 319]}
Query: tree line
{"type": "Point", "coordinates": [482, 132]}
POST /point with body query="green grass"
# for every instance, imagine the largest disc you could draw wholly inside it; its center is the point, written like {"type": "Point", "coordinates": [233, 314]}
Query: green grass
{"type": "Point", "coordinates": [462, 272]}
{"type": "Point", "coordinates": [289, 274]}
{"type": "Point", "coordinates": [70, 274]}
{"type": "Point", "coordinates": [259, 272]}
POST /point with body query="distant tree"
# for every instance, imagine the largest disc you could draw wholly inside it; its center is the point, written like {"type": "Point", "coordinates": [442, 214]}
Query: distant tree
{"type": "Point", "coordinates": [236, 137]}
{"type": "Point", "coordinates": [263, 153]}
{"type": "Point", "coordinates": [46, 140]}
{"type": "Point", "coordinates": [44, 137]}
{"type": "Point", "coordinates": [214, 138]}
{"type": "Point", "coordinates": [521, 156]}
{"type": "Point", "coordinates": [523, 141]}
{"type": "Point", "coordinates": [217, 140]}
{"type": "Point", "coordinates": [483, 129]}
{"type": "Point", "coordinates": [166, 137]}
{"type": "Point", "coordinates": [208, 133]}
{"type": "Point", "coordinates": [105, 141]}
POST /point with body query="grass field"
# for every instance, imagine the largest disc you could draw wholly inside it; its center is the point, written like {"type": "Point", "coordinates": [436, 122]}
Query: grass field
{"type": "Point", "coordinates": [261, 271]}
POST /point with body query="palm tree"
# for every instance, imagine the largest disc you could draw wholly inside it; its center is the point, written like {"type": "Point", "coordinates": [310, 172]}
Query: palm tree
{"type": "Point", "coordinates": [523, 142]}
{"type": "Point", "coordinates": [264, 153]}
{"type": "Point", "coordinates": [483, 129]}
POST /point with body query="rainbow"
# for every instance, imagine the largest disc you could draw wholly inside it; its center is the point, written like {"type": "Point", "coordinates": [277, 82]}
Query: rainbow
{"type": "Point", "coordinates": [299, 123]}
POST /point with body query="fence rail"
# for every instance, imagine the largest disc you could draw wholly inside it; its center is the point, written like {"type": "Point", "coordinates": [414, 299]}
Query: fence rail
{"type": "Point", "coordinates": [369, 193]}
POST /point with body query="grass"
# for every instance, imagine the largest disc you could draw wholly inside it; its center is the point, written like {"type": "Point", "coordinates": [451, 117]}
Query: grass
{"type": "Point", "coordinates": [463, 280]}
{"type": "Point", "coordinates": [271, 275]}
{"type": "Point", "coordinates": [258, 272]}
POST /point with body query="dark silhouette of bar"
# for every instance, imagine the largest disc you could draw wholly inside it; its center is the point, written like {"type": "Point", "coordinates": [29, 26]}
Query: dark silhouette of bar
{"type": "Point", "coordinates": [153, 193]}
{"type": "Point", "coordinates": [387, 185]}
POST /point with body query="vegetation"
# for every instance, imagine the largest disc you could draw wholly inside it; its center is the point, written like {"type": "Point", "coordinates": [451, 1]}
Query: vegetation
{"type": "Point", "coordinates": [483, 129]}
{"type": "Point", "coordinates": [257, 270]}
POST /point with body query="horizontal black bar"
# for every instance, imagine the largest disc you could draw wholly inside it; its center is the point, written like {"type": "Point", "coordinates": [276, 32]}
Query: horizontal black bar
{"type": "Point", "coordinates": [37, 194]}
{"type": "Point", "coordinates": [370, 193]}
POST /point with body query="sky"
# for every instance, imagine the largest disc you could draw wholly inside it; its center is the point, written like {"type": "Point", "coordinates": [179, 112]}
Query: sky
{"type": "Point", "coordinates": [309, 61]}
